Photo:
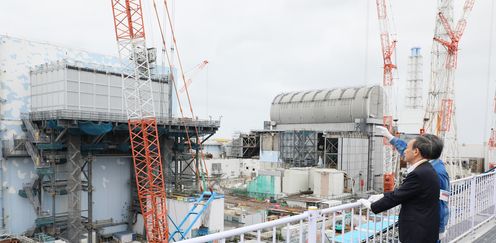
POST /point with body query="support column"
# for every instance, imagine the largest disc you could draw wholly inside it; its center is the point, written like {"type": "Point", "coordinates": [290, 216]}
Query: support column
{"type": "Point", "coordinates": [166, 148]}
{"type": "Point", "coordinates": [53, 194]}
{"type": "Point", "coordinates": [90, 199]}
{"type": "Point", "coordinates": [177, 166]}
{"type": "Point", "coordinates": [74, 186]}
{"type": "Point", "coordinates": [370, 160]}
{"type": "Point", "coordinates": [197, 165]}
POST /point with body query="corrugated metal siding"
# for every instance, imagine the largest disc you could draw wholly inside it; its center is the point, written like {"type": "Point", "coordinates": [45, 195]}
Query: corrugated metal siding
{"type": "Point", "coordinates": [79, 86]}
{"type": "Point", "coordinates": [327, 106]}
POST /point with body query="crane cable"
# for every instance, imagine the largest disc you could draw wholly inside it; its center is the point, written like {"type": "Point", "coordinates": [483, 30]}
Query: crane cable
{"type": "Point", "coordinates": [174, 84]}
{"type": "Point", "coordinates": [177, 92]}
{"type": "Point", "coordinates": [184, 82]}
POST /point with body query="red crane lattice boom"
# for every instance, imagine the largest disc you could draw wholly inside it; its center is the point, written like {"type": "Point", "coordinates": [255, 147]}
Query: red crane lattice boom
{"type": "Point", "coordinates": [388, 45]}
{"type": "Point", "coordinates": [142, 124]}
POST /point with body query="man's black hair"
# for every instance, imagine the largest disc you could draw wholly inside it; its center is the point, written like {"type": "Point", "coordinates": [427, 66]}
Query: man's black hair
{"type": "Point", "coordinates": [424, 145]}
{"type": "Point", "coordinates": [436, 146]}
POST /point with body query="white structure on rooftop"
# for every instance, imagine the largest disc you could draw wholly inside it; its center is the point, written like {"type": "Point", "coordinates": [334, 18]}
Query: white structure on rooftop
{"type": "Point", "coordinates": [340, 105]}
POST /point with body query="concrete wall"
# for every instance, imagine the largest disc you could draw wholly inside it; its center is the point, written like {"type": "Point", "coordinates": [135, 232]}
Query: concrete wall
{"type": "Point", "coordinates": [328, 182]}
{"type": "Point", "coordinates": [19, 214]}
{"type": "Point", "coordinates": [353, 156]}
{"type": "Point", "coordinates": [296, 180]}
{"type": "Point", "coordinates": [214, 149]}
{"type": "Point", "coordinates": [232, 168]}
{"type": "Point", "coordinates": [111, 196]}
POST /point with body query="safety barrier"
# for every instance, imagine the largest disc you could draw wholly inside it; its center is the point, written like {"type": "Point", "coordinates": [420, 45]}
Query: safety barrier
{"type": "Point", "coordinates": [472, 203]}
{"type": "Point", "coordinates": [345, 223]}
{"type": "Point", "coordinates": [112, 117]}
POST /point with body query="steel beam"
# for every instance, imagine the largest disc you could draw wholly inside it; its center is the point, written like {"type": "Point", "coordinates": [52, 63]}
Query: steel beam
{"type": "Point", "coordinates": [74, 186]}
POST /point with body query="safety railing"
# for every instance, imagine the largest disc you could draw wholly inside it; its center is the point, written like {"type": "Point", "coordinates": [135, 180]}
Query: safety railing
{"type": "Point", "coordinates": [112, 117]}
{"type": "Point", "coordinates": [345, 223]}
{"type": "Point", "coordinates": [472, 203]}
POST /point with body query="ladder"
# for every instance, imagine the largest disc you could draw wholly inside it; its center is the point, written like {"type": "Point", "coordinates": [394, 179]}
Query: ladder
{"type": "Point", "coordinates": [34, 134]}
{"type": "Point", "coordinates": [35, 155]}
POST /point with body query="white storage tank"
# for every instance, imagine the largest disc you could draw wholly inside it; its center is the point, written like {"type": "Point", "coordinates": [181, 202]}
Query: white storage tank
{"type": "Point", "coordinates": [76, 86]}
{"type": "Point", "coordinates": [340, 105]}
{"type": "Point", "coordinates": [328, 182]}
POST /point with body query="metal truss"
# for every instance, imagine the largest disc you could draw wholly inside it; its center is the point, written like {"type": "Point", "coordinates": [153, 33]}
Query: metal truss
{"type": "Point", "coordinates": [299, 148]}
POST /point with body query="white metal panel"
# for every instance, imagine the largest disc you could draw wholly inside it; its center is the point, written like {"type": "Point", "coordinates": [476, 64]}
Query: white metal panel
{"type": "Point", "coordinates": [334, 94]}
{"type": "Point", "coordinates": [56, 86]}
{"type": "Point", "coordinates": [320, 95]}
{"type": "Point", "coordinates": [295, 180]}
{"type": "Point", "coordinates": [328, 182]}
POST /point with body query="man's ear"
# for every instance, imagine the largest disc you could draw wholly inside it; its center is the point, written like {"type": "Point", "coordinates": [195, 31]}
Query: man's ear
{"type": "Point", "coordinates": [416, 151]}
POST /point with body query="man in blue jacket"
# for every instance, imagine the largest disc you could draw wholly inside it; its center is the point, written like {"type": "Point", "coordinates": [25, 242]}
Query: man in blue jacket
{"type": "Point", "coordinates": [433, 156]}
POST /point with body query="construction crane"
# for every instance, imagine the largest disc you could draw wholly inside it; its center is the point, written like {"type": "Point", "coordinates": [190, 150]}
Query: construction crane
{"type": "Point", "coordinates": [138, 97]}
{"type": "Point", "coordinates": [195, 70]}
{"type": "Point", "coordinates": [201, 205]}
{"type": "Point", "coordinates": [439, 116]}
{"type": "Point", "coordinates": [388, 45]}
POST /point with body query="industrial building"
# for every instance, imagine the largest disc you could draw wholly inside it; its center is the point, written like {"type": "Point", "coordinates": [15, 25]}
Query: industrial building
{"type": "Point", "coordinates": [70, 99]}
{"type": "Point", "coordinates": [323, 128]}
{"type": "Point", "coordinates": [66, 159]}
{"type": "Point", "coordinates": [98, 148]}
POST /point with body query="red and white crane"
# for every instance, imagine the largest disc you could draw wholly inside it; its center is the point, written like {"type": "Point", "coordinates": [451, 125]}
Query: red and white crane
{"type": "Point", "coordinates": [439, 117]}
{"type": "Point", "coordinates": [195, 70]}
{"type": "Point", "coordinates": [142, 123]}
{"type": "Point", "coordinates": [388, 45]}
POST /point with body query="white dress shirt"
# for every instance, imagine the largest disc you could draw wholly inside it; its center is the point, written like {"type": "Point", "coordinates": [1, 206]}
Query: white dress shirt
{"type": "Point", "coordinates": [412, 167]}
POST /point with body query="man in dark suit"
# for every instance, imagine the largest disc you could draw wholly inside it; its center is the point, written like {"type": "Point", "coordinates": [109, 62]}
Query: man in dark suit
{"type": "Point", "coordinates": [418, 196]}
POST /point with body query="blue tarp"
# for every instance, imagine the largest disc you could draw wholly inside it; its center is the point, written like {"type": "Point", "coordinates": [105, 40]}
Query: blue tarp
{"type": "Point", "coordinates": [95, 129]}
{"type": "Point", "coordinates": [53, 124]}
{"type": "Point", "coordinates": [360, 234]}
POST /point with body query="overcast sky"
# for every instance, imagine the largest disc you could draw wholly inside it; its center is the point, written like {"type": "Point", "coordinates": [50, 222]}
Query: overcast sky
{"type": "Point", "coordinates": [259, 48]}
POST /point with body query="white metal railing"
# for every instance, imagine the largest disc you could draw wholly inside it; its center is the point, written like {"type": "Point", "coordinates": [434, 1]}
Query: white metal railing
{"type": "Point", "coordinates": [345, 223]}
{"type": "Point", "coordinates": [113, 117]}
{"type": "Point", "coordinates": [472, 203]}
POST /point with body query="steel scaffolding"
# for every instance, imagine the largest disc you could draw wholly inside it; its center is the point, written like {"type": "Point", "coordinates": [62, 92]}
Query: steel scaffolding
{"type": "Point", "coordinates": [299, 148]}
